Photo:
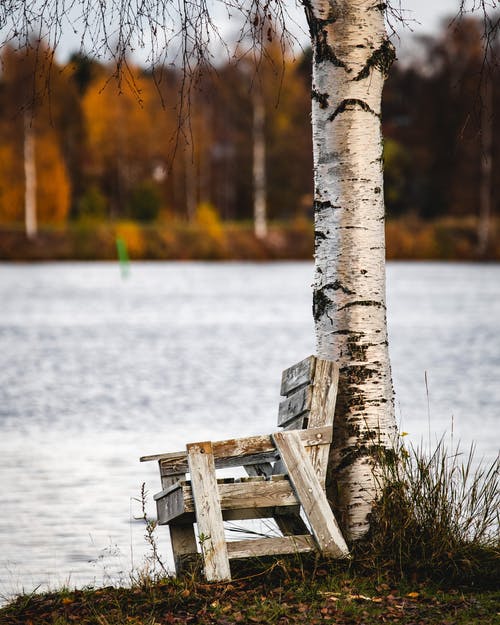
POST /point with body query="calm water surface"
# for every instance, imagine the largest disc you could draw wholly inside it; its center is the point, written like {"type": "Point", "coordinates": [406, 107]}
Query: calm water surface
{"type": "Point", "coordinates": [96, 370]}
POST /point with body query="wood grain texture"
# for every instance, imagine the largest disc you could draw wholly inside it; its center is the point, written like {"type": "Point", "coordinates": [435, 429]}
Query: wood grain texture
{"type": "Point", "coordinates": [294, 405]}
{"type": "Point", "coordinates": [270, 546]}
{"type": "Point", "coordinates": [230, 453]}
{"type": "Point", "coordinates": [297, 375]}
{"type": "Point", "coordinates": [311, 495]}
{"type": "Point", "coordinates": [208, 511]}
{"type": "Point", "coordinates": [322, 411]}
{"type": "Point", "coordinates": [178, 502]}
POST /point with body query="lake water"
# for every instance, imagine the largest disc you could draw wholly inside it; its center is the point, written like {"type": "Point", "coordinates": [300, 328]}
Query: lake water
{"type": "Point", "coordinates": [97, 370]}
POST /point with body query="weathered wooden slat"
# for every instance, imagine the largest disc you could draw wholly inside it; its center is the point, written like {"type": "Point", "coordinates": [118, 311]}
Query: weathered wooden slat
{"type": "Point", "coordinates": [322, 412]}
{"type": "Point", "coordinates": [270, 546]}
{"type": "Point", "coordinates": [179, 502]}
{"type": "Point", "coordinates": [208, 511]}
{"type": "Point", "coordinates": [229, 453]}
{"type": "Point", "coordinates": [180, 455]}
{"type": "Point", "coordinates": [311, 494]}
{"type": "Point", "coordinates": [170, 505]}
{"type": "Point", "coordinates": [295, 405]}
{"type": "Point", "coordinates": [297, 375]}
{"type": "Point", "coordinates": [229, 515]}
{"type": "Point", "coordinates": [299, 423]}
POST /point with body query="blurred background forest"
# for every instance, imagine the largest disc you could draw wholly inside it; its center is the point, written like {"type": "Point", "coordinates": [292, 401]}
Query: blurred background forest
{"type": "Point", "coordinates": [85, 161]}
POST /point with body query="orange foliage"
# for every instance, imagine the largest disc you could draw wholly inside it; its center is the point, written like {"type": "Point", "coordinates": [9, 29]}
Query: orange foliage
{"type": "Point", "coordinates": [11, 186]}
{"type": "Point", "coordinates": [53, 185]}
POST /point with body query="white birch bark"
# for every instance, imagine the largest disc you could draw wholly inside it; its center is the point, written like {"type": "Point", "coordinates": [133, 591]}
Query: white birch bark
{"type": "Point", "coordinates": [352, 55]}
{"type": "Point", "coordinates": [259, 165]}
{"type": "Point", "coordinates": [30, 219]}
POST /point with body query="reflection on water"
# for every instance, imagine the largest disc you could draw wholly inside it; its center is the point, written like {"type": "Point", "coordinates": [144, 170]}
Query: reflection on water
{"type": "Point", "coordinates": [96, 371]}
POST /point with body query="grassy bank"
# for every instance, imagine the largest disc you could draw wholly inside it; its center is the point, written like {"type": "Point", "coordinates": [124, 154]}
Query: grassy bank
{"type": "Point", "coordinates": [286, 592]}
{"type": "Point", "coordinates": [211, 239]}
{"type": "Point", "coordinates": [432, 556]}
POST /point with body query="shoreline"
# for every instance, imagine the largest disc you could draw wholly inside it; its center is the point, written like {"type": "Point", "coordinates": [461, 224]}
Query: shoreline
{"type": "Point", "coordinates": [406, 239]}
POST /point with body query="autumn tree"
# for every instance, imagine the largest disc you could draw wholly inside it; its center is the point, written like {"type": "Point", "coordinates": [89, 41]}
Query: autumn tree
{"type": "Point", "coordinates": [34, 182]}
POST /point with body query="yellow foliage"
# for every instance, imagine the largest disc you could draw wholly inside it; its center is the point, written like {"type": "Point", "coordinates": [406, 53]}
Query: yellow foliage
{"type": "Point", "coordinates": [132, 234]}
{"type": "Point", "coordinates": [53, 185]}
{"type": "Point", "coordinates": [209, 221]}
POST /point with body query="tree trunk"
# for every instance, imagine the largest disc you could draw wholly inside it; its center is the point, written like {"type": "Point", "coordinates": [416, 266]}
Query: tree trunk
{"type": "Point", "coordinates": [29, 177]}
{"type": "Point", "coordinates": [259, 164]}
{"type": "Point", "coordinates": [352, 56]}
{"type": "Point", "coordinates": [485, 184]}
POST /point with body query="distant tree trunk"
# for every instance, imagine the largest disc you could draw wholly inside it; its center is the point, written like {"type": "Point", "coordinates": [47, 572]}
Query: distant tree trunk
{"type": "Point", "coordinates": [30, 217]}
{"type": "Point", "coordinates": [485, 199]}
{"type": "Point", "coordinates": [352, 56]}
{"type": "Point", "coordinates": [259, 164]}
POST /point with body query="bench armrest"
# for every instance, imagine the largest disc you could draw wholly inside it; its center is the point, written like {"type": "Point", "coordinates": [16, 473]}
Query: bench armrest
{"type": "Point", "coordinates": [236, 452]}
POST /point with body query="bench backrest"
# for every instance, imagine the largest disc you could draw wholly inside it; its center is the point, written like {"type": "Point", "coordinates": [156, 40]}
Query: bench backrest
{"type": "Point", "coordinates": [310, 391]}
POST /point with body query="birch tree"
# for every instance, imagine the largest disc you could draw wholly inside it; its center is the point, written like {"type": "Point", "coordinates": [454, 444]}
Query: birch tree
{"type": "Point", "coordinates": [351, 57]}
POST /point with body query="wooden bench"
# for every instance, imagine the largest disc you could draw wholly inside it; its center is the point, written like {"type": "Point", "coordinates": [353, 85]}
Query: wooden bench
{"type": "Point", "coordinates": [287, 473]}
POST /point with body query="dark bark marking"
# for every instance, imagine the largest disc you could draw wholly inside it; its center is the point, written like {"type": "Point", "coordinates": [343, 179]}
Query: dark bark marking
{"type": "Point", "coordinates": [366, 451]}
{"type": "Point", "coordinates": [369, 302]}
{"type": "Point", "coordinates": [319, 205]}
{"type": "Point", "coordinates": [342, 107]}
{"type": "Point", "coordinates": [321, 300]}
{"type": "Point", "coordinates": [352, 228]}
{"type": "Point", "coordinates": [323, 51]}
{"type": "Point", "coordinates": [319, 36]}
{"type": "Point", "coordinates": [321, 98]}
{"type": "Point", "coordinates": [382, 59]}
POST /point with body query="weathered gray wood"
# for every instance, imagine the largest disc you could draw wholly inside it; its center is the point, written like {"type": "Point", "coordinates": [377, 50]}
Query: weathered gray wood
{"type": "Point", "coordinates": [311, 494]}
{"type": "Point", "coordinates": [297, 375]}
{"type": "Point", "coordinates": [208, 511]}
{"type": "Point", "coordinates": [322, 411]}
{"type": "Point", "coordinates": [270, 546]}
{"type": "Point", "coordinates": [177, 503]}
{"type": "Point", "coordinates": [228, 453]}
{"type": "Point", "coordinates": [183, 542]}
{"type": "Point", "coordinates": [171, 455]}
{"type": "Point", "coordinates": [171, 505]}
{"type": "Point", "coordinates": [294, 405]}
{"type": "Point", "coordinates": [169, 481]}
{"type": "Point", "coordinates": [299, 423]}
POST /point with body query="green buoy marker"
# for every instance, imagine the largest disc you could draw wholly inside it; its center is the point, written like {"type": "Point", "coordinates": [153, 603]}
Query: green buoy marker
{"type": "Point", "coordinates": [121, 248]}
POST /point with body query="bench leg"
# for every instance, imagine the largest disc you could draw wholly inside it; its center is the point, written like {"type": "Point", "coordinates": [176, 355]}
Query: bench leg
{"type": "Point", "coordinates": [184, 546]}
{"type": "Point", "coordinates": [208, 511]}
